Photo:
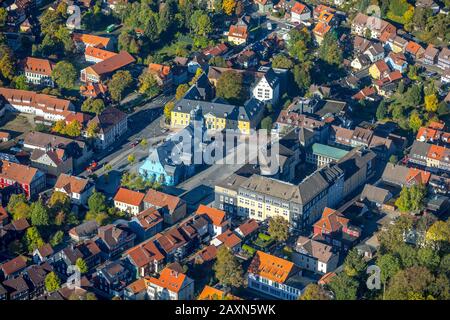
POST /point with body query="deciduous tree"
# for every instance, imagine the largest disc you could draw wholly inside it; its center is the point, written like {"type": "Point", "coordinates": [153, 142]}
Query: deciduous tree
{"type": "Point", "coordinates": [279, 228]}
{"type": "Point", "coordinates": [227, 268]}
{"type": "Point", "coordinates": [64, 74]}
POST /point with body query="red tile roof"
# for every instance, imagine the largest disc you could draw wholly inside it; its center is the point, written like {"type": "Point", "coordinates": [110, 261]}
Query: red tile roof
{"type": "Point", "coordinates": [130, 197]}
{"type": "Point", "coordinates": [271, 267]}
{"type": "Point", "coordinates": [229, 239]}
{"type": "Point", "coordinates": [169, 279]}
{"type": "Point", "coordinates": [39, 66]}
{"type": "Point", "coordinates": [14, 265]}
{"type": "Point", "coordinates": [331, 221]}
{"type": "Point", "coordinates": [160, 199]}
{"type": "Point", "coordinates": [17, 172]}
{"type": "Point", "coordinates": [215, 215]}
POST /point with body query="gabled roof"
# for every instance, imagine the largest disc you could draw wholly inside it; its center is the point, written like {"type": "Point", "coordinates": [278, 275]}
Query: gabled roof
{"type": "Point", "coordinates": [160, 199]}
{"type": "Point", "coordinates": [17, 172]}
{"type": "Point", "coordinates": [91, 40]}
{"type": "Point", "coordinates": [39, 66]}
{"type": "Point", "coordinates": [145, 253]}
{"type": "Point", "coordinates": [271, 267]}
{"type": "Point", "coordinates": [248, 227]}
{"type": "Point", "coordinates": [99, 53]}
{"type": "Point", "coordinates": [331, 221]}
{"type": "Point", "coordinates": [211, 293]}
{"type": "Point", "coordinates": [299, 8]}
{"type": "Point", "coordinates": [218, 217]}
{"type": "Point", "coordinates": [316, 249]}
{"type": "Point", "coordinates": [14, 265]}
{"type": "Point", "coordinates": [229, 239]}
{"type": "Point", "coordinates": [129, 197]}
{"type": "Point", "coordinates": [112, 64]}
{"type": "Point", "coordinates": [170, 279]}
{"type": "Point", "coordinates": [71, 183]}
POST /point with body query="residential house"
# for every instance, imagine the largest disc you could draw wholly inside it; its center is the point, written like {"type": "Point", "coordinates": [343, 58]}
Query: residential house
{"type": "Point", "coordinates": [84, 231]}
{"type": "Point", "coordinates": [336, 230]}
{"type": "Point", "coordinates": [35, 278]}
{"type": "Point", "coordinates": [397, 44]}
{"type": "Point", "coordinates": [69, 155]}
{"type": "Point", "coordinates": [361, 61]}
{"type": "Point", "coordinates": [375, 52]}
{"type": "Point", "coordinates": [112, 278]}
{"type": "Point", "coordinates": [247, 229]}
{"type": "Point", "coordinates": [172, 284]}
{"type": "Point", "coordinates": [375, 195]}
{"type": "Point", "coordinates": [147, 223]}
{"type": "Point", "coordinates": [320, 30]}
{"type": "Point", "coordinates": [48, 107]}
{"type": "Point", "coordinates": [435, 158]}
{"type": "Point", "coordinates": [171, 207]}
{"type": "Point", "coordinates": [273, 276]}
{"type": "Point", "coordinates": [238, 34]}
{"type": "Point", "coordinates": [218, 222]}
{"type": "Point", "coordinates": [76, 188]}
{"type": "Point", "coordinates": [163, 75]}
{"type": "Point", "coordinates": [267, 89]}
{"type": "Point", "coordinates": [145, 258]}
{"type": "Point", "coordinates": [101, 70]}
{"type": "Point", "coordinates": [443, 61]}
{"type": "Point", "coordinates": [379, 70]}
{"type": "Point", "coordinates": [42, 253]}
{"type": "Point", "coordinates": [430, 55]}
{"type": "Point", "coordinates": [229, 239]}
{"type": "Point", "coordinates": [300, 13]}
{"type": "Point", "coordinates": [13, 267]}
{"type": "Point", "coordinates": [217, 50]}
{"type": "Point", "coordinates": [94, 90]}
{"type": "Point", "coordinates": [414, 50]}
{"type": "Point", "coordinates": [403, 176]}
{"type": "Point", "coordinates": [397, 61]}
{"type": "Point", "coordinates": [17, 288]}
{"type": "Point", "coordinates": [172, 244]}
{"type": "Point", "coordinates": [129, 201]}
{"type": "Point", "coordinates": [198, 61]}
{"type": "Point", "coordinates": [315, 256]}
{"type": "Point", "coordinates": [112, 124]}
{"type": "Point", "coordinates": [363, 24]}
{"type": "Point", "coordinates": [264, 6]}
{"type": "Point", "coordinates": [38, 71]}
{"type": "Point", "coordinates": [87, 250]}
{"type": "Point", "coordinates": [247, 59]}
{"type": "Point", "coordinates": [21, 179]}
{"type": "Point", "coordinates": [137, 290]}
{"type": "Point", "coordinates": [211, 293]}
{"type": "Point", "coordinates": [4, 136]}
{"type": "Point", "coordinates": [114, 239]}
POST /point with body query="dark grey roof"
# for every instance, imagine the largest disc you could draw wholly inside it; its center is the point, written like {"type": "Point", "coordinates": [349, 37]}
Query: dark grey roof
{"type": "Point", "coordinates": [232, 182]}
{"type": "Point", "coordinates": [271, 78]}
{"type": "Point", "coordinates": [355, 160]}
{"type": "Point", "coordinates": [395, 174]}
{"type": "Point", "coordinates": [109, 118]}
{"type": "Point", "coordinates": [420, 148]}
{"type": "Point", "coordinates": [375, 194]}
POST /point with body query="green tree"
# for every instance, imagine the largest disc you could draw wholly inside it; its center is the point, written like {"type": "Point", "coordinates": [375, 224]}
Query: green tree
{"type": "Point", "coordinates": [181, 91]}
{"type": "Point", "coordinates": [97, 202]}
{"type": "Point", "coordinates": [411, 199]}
{"type": "Point", "coordinates": [314, 292]}
{"type": "Point", "coordinates": [407, 255]}
{"type": "Point", "coordinates": [73, 129]}
{"type": "Point", "coordinates": [52, 282]}
{"type": "Point", "coordinates": [389, 265]}
{"type": "Point", "coordinates": [119, 82]}
{"type": "Point", "coordinates": [33, 239]}
{"type": "Point", "coordinates": [229, 86]}
{"type": "Point", "coordinates": [302, 75]}
{"type": "Point", "coordinates": [266, 123]}
{"type": "Point", "coordinates": [201, 23]}
{"type": "Point", "coordinates": [168, 110]}
{"type": "Point", "coordinates": [59, 201]}
{"type": "Point", "coordinates": [393, 159]}
{"type": "Point", "coordinates": [39, 214]}
{"type": "Point", "coordinates": [382, 111]}
{"type": "Point", "coordinates": [20, 82]}
{"type": "Point", "coordinates": [329, 50]}
{"type": "Point", "coordinates": [282, 62]}
{"type": "Point", "coordinates": [428, 258]}
{"type": "Point", "coordinates": [3, 16]}
{"type": "Point", "coordinates": [279, 228]}
{"type": "Point", "coordinates": [431, 103]}
{"type": "Point", "coordinates": [413, 96]}
{"type": "Point", "coordinates": [57, 238]}
{"type": "Point", "coordinates": [344, 287]}
{"type": "Point", "coordinates": [64, 74]}
{"type": "Point", "coordinates": [415, 122]}
{"type": "Point", "coordinates": [81, 264]}
{"type": "Point", "coordinates": [354, 264]}
{"type": "Point", "coordinates": [7, 62]}
{"type": "Point", "coordinates": [18, 206]}
{"type": "Point", "coordinates": [93, 105]}
{"type": "Point", "coordinates": [131, 158]}
{"type": "Point", "coordinates": [409, 283]}
{"type": "Point", "coordinates": [148, 85]}
{"type": "Point", "coordinates": [227, 268]}
{"type": "Point", "coordinates": [92, 129]}
{"type": "Point", "coordinates": [391, 238]}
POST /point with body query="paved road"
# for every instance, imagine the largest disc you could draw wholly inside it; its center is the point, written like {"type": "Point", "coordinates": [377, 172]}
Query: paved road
{"type": "Point", "coordinates": [143, 123]}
